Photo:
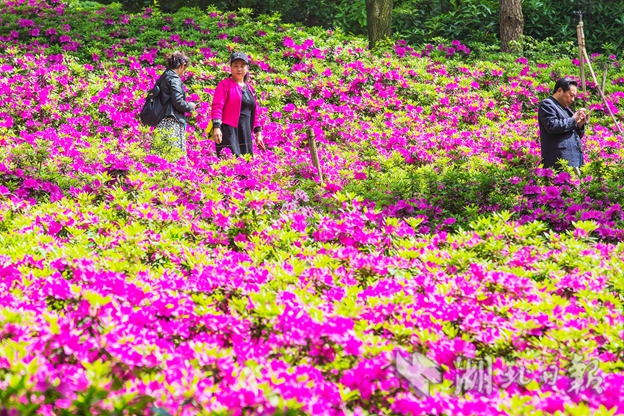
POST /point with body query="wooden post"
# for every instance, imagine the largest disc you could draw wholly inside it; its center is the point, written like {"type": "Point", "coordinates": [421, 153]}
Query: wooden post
{"type": "Point", "coordinates": [314, 154]}
{"type": "Point", "coordinates": [581, 45]}
{"type": "Point", "coordinates": [604, 76]}
{"type": "Point", "coordinates": [604, 99]}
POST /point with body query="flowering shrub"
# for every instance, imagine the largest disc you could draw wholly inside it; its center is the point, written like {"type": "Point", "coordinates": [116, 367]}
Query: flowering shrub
{"type": "Point", "coordinates": [135, 284]}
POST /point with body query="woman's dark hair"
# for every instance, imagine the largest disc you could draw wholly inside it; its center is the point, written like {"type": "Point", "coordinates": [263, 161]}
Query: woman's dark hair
{"type": "Point", "coordinates": [177, 59]}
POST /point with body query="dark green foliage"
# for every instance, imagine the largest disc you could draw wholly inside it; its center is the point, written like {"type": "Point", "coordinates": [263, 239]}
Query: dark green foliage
{"type": "Point", "coordinates": [310, 13]}
{"type": "Point", "coordinates": [418, 21]}
{"type": "Point", "coordinates": [603, 21]}
{"type": "Point", "coordinates": [477, 21]}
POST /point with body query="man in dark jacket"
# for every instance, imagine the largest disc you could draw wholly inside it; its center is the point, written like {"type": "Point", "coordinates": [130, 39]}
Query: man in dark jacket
{"type": "Point", "coordinates": [561, 130]}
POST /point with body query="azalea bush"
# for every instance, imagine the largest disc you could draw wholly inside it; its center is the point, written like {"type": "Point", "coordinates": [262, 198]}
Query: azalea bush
{"type": "Point", "coordinates": [134, 283]}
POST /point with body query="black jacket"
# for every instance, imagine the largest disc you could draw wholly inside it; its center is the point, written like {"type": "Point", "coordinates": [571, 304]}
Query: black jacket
{"type": "Point", "coordinates": [560, 136]}
{"type": "Point", "coordinates": [173, 97]}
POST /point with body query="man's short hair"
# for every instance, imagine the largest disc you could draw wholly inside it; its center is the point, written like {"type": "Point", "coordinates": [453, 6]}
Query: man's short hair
{"type": "Point", "coordinates": [564, 84]}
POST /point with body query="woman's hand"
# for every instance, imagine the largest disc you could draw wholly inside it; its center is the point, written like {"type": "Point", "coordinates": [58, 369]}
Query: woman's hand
{"type": "Point", "coordinates": [217, 136]}
{"type": "Point", "coordinates": [259, 140]}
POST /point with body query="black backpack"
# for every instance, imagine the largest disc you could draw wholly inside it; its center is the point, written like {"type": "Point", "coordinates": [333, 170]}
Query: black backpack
{"type": "Point", "coordinates": [153, 110]}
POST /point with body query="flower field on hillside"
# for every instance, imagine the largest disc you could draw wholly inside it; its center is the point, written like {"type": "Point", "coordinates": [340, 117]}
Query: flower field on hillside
{"type": "Point", "coordinates": [131, 283]}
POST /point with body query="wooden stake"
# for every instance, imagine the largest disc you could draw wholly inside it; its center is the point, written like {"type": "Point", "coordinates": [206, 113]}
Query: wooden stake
{"type": "Point", "coordinates": [314, 154]}
{"type": "Point", "coordinates": [604, 76]}
{"type": "Point", "coordinates": [581, 45]}
{"type": "Point", "coordinates": [604, 99]}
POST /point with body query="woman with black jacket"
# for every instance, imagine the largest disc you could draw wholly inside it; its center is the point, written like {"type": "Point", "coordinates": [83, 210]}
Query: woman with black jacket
{"type": "Point", "coordinates": [170, 133]}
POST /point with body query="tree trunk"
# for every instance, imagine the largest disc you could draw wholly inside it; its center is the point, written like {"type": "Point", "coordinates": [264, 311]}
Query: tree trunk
{"type": "Point", "coordinates": [511, 23]}
{"type": "Point", "coordinates": [378, 20]}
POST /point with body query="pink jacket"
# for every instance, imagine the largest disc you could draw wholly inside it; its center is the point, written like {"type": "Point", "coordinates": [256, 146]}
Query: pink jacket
{"type": "Point", "coordinates": [227, 101]}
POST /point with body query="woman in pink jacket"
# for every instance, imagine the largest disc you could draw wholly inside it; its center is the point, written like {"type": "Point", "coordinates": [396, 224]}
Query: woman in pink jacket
{"type": "Point", "coordinates": [234, 111]}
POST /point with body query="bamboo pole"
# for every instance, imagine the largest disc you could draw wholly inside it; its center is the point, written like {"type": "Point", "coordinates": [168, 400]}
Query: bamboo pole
{"type": "Point", "coordinates": [604, 99]}
{"type": "Point", "coordinates": [314, 154]}
{"type": "Point", "coordinates": [581, 45]}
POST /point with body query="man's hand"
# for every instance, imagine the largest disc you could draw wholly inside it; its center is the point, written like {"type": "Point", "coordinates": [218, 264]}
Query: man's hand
{"type": "Point", "coordinates": [217, 136]}
{"type": "Point", "coordinates": [586, 114]}
{"type": "Point", "coordinates": [580, 117]}
{"type": "Point", "coordinates": [193, 106]}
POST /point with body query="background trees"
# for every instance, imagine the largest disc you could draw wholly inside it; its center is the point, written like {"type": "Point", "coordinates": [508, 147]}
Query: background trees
{"type": "Point", "coordinates": [418, 21]}
{"type": "Point", "coordinates": [379, 20]}
{"type": "Point", "coordinates": [511, 23]}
